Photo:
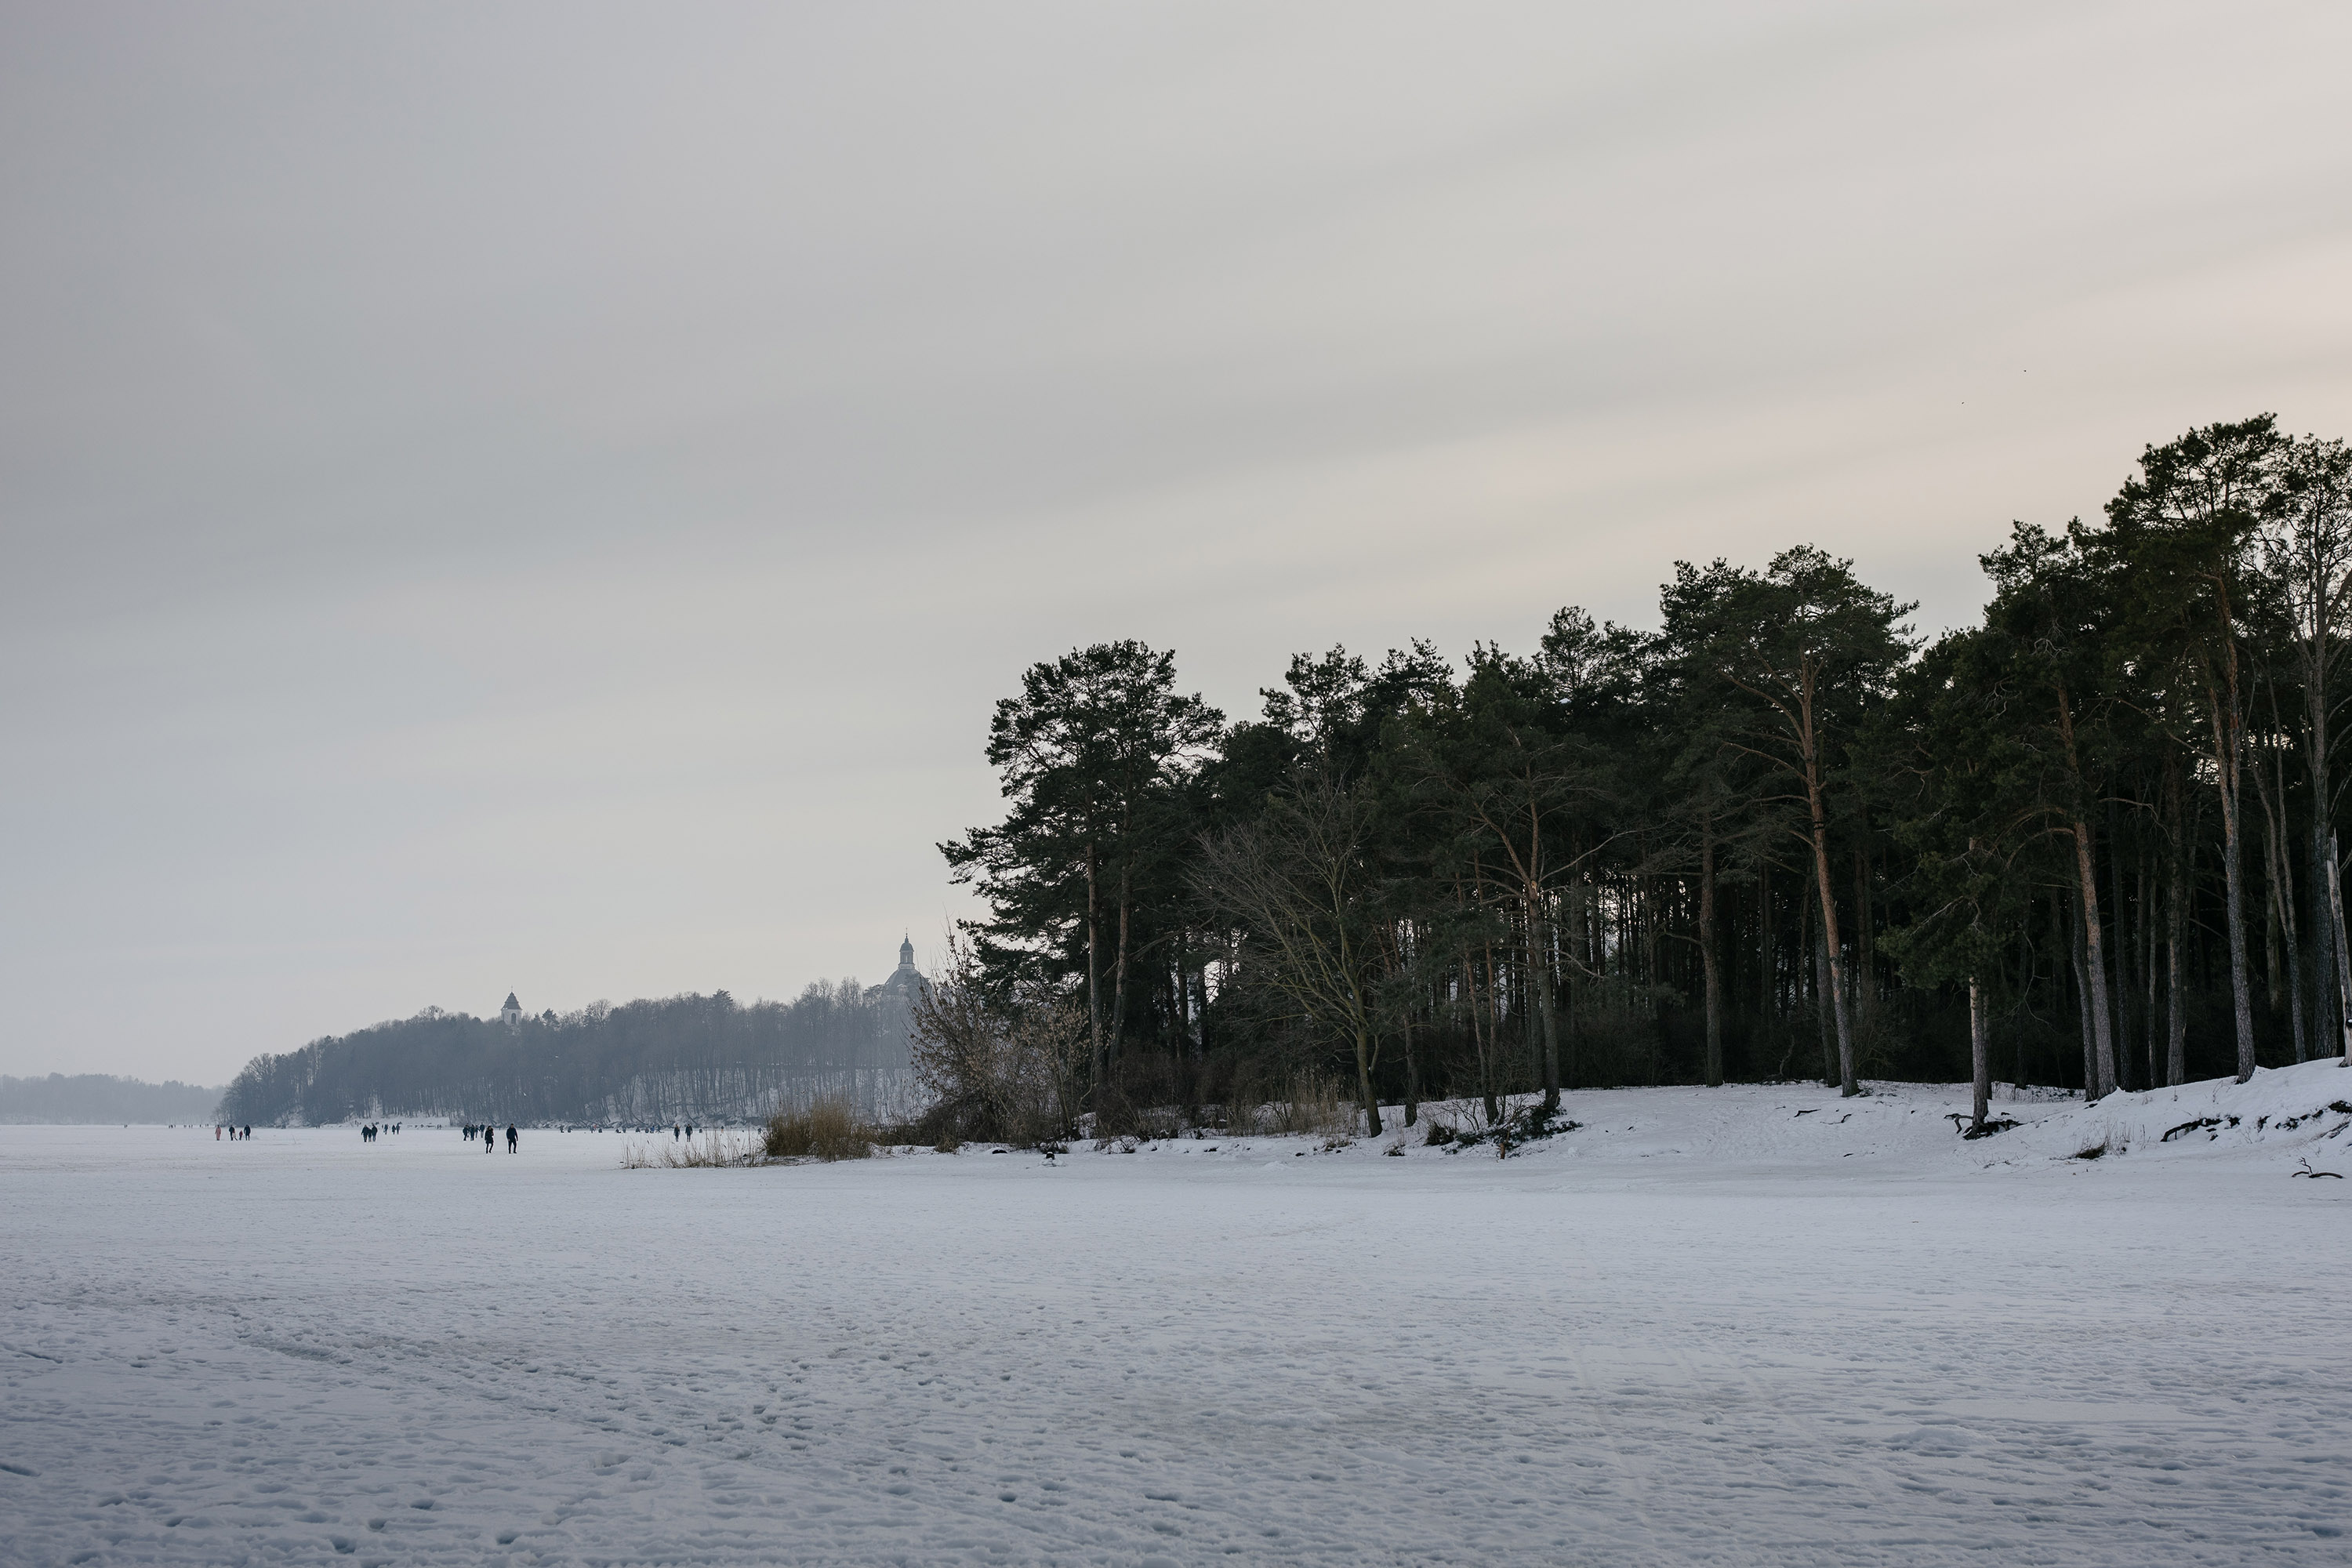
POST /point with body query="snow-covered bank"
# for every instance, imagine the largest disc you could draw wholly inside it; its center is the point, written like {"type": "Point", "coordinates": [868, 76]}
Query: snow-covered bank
{"type": "Point", "coordinates": [1735, 1326]}
{"type": "Point", "coordinates": [2281, 1119]}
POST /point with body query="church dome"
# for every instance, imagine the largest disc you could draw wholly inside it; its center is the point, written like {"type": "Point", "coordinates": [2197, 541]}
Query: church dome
{"type": "Point", "coordinates": [905, 981]}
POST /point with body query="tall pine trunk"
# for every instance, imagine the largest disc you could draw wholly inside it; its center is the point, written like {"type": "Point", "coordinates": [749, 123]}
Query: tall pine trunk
{"type": "Point", "coordinates": [2099, 1060]}
{"type": "Point", "coordinates": [2331, 1026]}
{"type": "Point", "coordinates": [2151, 1069]}
{"type": "Point", "coordinates": [1708, 959]}
{"type": "Point", "coordinates": [2342, 957]}
{"type": "Point", "coordinates": [1539, 981]}
{"type": "Point", "coordinates": [1980, 1053]}
{"type": "Point", "coordinates": [1576, 960]}
{"type": "Point", "coordinates": [2234, 892]}
{"type": "Point", "coordinates": [1488, 1040]}
{"type": "Point", "coordinates": [2119, 943]}
{"type": "Point", "coordinates": [1822, 1003]}
{"type": "Point", "coordinates": [1093, 964]}
{"type": "Point", "coordinates": [2224, 705]}
{"type": "Point", "coordinates": [1119, 985]}
{"type": "Point", "coordinates": [2082, 1005]}
{"type": "Point", "coordinates": [1412, 1078]}
{"type": "Point", "coordinates": [2283, 896]}
{"type": "Point", "coordinates": [2331, 1018]}
{"type": "Point", "coordinates": [1847, 1083]}
{"type": "Point", "coordinates": [2176, 920]}
{"type": "Point", "coordinates": [2099, 1053]}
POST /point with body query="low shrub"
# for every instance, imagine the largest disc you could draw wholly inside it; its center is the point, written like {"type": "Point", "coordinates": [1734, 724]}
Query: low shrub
{"type": "Point", "coordinates": [1528, 1124]}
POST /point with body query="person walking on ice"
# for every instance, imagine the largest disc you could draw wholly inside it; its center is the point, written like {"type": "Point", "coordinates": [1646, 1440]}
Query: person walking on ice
{"type": "Point", "coordinates": [511, 1137]}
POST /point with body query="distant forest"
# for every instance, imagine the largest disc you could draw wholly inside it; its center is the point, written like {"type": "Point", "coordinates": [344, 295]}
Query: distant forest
{"type": "Point", "coordinates": [2091, 841]}
{"type": "Point", "coordinates": [655, 1062]}
{"type": "Point", "coordinates": [97, 1098]}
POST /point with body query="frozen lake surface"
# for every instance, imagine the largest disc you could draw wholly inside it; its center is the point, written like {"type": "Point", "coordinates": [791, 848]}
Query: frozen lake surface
{"type": "Point", "coordinates": [1752, 1325]}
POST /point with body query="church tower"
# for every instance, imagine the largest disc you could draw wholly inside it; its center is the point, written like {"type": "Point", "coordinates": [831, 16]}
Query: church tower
{"type": "Point", "coordinates": [896, 997]}
{"type": "Point", "coordinates": [511, 1014]}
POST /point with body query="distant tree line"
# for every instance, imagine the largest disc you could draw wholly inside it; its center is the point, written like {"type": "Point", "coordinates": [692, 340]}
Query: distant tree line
{"type": "Point", "coordinates": [690, 1057]}
{"type": "Point", "coordinates": [92, 1097]}
{"type": "Point", "coordinates": [2090, 842]}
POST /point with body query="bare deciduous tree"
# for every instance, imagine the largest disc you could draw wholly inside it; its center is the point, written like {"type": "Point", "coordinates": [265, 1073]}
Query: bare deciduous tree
{"type": "Point", "coordinates": [1300, 883]}
{"type": "Point", "coordinates": [1001, 1067]}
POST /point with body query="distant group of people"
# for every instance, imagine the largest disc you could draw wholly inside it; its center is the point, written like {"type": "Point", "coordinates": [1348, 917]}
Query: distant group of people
{"type": "Point", "coordinates": [487, 1133]}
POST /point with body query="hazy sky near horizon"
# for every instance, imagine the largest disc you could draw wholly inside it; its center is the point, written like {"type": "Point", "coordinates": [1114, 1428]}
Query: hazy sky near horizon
{"type": "Point", "coordinates": [544, 497]}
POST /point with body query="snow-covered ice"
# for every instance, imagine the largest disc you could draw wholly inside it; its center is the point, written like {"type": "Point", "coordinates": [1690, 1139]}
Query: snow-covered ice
{"type": "Point", "coordinates": [1749, 1325]}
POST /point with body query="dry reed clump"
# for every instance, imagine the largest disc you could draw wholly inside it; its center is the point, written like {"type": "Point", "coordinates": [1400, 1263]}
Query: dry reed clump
{"type": "Point", "coordinates": [1308, 1105]}
{"type": "Point", "coordinates": [2111, 1139]}
{"type": "Point", "coordinates": [710, 1150]}
{"type": "Point", "coordinates": [827, 1130]}
{"type": "Point", "coordinates": [1313, 1108]}
{"type": "Point", "coordinates": [1118, 1118]}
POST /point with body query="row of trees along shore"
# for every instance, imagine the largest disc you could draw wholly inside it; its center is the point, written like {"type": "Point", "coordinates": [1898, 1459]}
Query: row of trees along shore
{"type": "Point", "coordinates": [2091, 842]}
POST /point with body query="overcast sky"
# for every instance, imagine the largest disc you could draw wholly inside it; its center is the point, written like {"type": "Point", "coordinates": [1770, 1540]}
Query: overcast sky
{"type": "Point", "coordinates": [545, 497]}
